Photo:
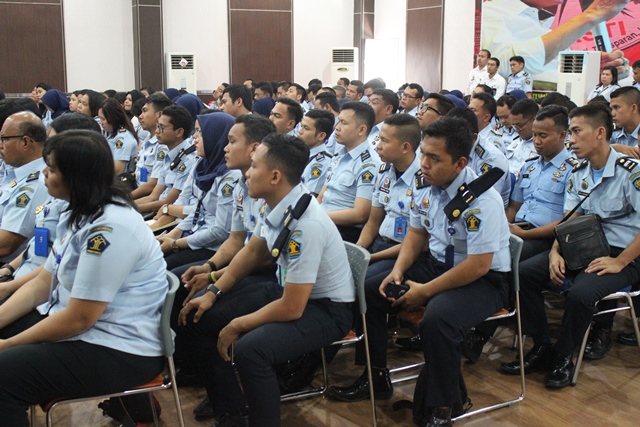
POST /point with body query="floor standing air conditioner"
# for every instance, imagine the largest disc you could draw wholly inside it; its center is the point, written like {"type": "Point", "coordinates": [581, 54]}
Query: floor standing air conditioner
{"type": "Point", "coordinates": [578, 74]}
{"type": "Point", "coordinates": [181, 71]}
{"type": "Point", "coordinates": [344, 63]}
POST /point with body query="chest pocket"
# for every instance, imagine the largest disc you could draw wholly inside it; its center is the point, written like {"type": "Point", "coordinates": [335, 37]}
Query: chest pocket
{"type": "Point", "coordinates": [344, 180]}
{"type": "Point", "coordinates": [553, 187]}
{"type": "Point", "coordinates": [612, 208]}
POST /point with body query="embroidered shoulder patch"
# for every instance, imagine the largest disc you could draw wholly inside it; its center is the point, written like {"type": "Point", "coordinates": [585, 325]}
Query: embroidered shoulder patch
{"type": "Point", "coordinates": [97, 244]}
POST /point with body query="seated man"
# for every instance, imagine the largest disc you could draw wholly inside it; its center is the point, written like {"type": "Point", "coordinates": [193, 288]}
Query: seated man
{"type": "Point", "coordinates": [612, 182]}
{"type": "Point", "coordinates": [173, 129]}
{"type": "Point", "coordinates": [503, 113]}
{"type": "Point", "coordinates": [315, 128]}
{"type": "Point", "coordinates": [461, 279]}
{"type": "Point", "coordinates": [286, 115]}
{"type": "Point", "coordinates": [625, 109]}
{"type": "Point", "coordinates": [347, 192]}
{"type": "Point", "coordinates": [384, 103]}
{"type": "Point", "coordinates": [538, 196]}
{"type": "Point", "coordinates": [521, 118]}
{"type": "Point", "coordinates": [483, 106]}
{"type": "Point", "coordinates": [310, 309]}
{"type": "Point", "coordinates": [434, 108]}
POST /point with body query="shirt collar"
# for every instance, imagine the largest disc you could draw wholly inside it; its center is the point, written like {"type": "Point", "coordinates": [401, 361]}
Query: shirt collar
{"type": "Point", "coordinates": [610, 166]}
{"type": "Point", "coordinates": [275, 216]}
{"type": "Point", "coordinates": [24, 170]}
{"type": "Point", "coordinates": [173, 153]}
{"type": "Point", "coordinates": [559, 158]}
{"type": "Point", "coordinates": [356, 151]}
{"type": "Point", "coordinates": [465, 176]}
{"type": "Point", "coordinates": [315, 150]}
{"type": "Point", "coordinates": [407, 176]}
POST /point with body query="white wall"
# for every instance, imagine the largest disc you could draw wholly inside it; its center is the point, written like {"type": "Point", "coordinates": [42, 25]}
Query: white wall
{"type": "Point", "coordinates": [389, 27]}
{"type": "Point", "coordinates": [99, 44]}
{"type": "Point", "coordinates": [458, 51]}
{"type": "Point", "coordinates": [199, 27]}
{"type": "Point", "coordinates": [319, 26]}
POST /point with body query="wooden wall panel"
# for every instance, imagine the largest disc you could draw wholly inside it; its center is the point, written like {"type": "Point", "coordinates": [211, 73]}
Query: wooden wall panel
{"type": "Point", "coordinates": [424, 47]}
{"type": "Point", "coordinates": [415, 4]}
{"type": "Point", "coordinates": [31, 53]}
{"type": "Point", "coordinates": [270, 5]}
{"type": "Point", "coordinates": [148, 50]}
{"type": "Point", "coordinates": [261, 41]}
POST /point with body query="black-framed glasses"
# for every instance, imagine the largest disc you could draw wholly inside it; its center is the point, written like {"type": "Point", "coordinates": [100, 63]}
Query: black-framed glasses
{"type": "Point", "coordinates": [518, 127]}
{"type": "Point", "coordinates": [404, 95]}
{"type": "Point", "coordinates": [162, 128]}
{"type": "Point", "coordinates": [4, 138]}
{"type": "Point", "coordinates": [426, 107]}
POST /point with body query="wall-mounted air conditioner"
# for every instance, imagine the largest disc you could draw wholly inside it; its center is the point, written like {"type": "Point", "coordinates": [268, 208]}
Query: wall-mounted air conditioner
{"type": "Point", "coordinates": [344, 63]}
{"type": "Point", "coordinates": [181, 71]}
{"type": "Point", "coordinates": [578, 74]}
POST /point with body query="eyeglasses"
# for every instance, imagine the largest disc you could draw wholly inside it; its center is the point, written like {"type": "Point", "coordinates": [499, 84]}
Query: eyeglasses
{"type": "Point", "coordinates": [519, 127]}
{"type": "Point", "coordinates": [161, 128]}
{"type": "Point", "coordinates": [4, 138]}
{"type": "Point", "coordinates": [426, 107]}
{"type": "Point", "coordinates": [404, 95]}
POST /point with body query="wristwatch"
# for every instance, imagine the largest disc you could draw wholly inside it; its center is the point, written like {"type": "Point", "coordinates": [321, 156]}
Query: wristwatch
{"type": "Point", "coordinates": [174, 246]}
{"type": "Point", "coordinates": [217, 292]}
{"type": "Point", "coordinates": [165, 210]}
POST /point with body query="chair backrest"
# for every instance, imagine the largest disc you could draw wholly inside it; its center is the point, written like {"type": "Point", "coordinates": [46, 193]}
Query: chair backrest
{"type": "Point", "coordinates": [166, 334]}
{"type": "Point", "coordinates": [515, 248]}
{"type": "Point", "coordinates": [359, 262]}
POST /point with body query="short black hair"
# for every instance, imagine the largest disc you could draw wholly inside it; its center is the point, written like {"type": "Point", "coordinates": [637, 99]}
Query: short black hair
{"type": "Point", "coordinates": [287, 153]}
{"type": "Point", "coordinates": [358, 84]}
{"type": "Point", "coordinates": [266, 88]}
{"type": "Point", "coordinates": [150, 90]}
{"type": "Point", "coordinates": [345, 80]}
{"type": "Point", "coordinates": [362, 113]}
{"type": "Point", "coordinates": [180, 118]}
{"type": "Point", "coordinates": [518, 59]}
{"type": "Point", "coordinates": [488, 102]}
{"type": "Point", "coordinates": [508, 100]}
{"type": "Point", "coordinates": [95, 100]}
{"type": "Point", "coordinates": [389, 97]}
{"type": "Point", "coordinates": [405, 128]}
{"type": "Point", "coordinates": [485, 88]}
{"type": "Point", "coordinates": [75, 121]}
{"type": "Point", "coordinates": [294, 110]}
{"type": "Point", "coordinates": [457, 135]}
{"type": "Point", "coordinates": [299, 90]}
{"type": "Point", "coordinates": [328, 98]}
{"type": "Point", "coordinates": [323, 121]}
{"type": "Point", "coordinates": [599, 115]}
{"type": "Point", "coordinates": [256, 127]}
{"type": "Point", "coordinates": [315, 82]}
{"type": "Point", "coordinates": [158, 101]}
{"type": "Point", "coordinates": [558, 114]}
{"type": "Point", "coordinates": [495, 59]}
{"type": "Point", "coordinates": [630, 94]}
{"type": "Point", "coordinates": [485, 50]}
{"type": "Point", "coordinates": [636, 64]}
{"type": "Point", "coordinates": [240, 91]}
{"type": "Point", "coordinates": [466, 115]}
{"type": "Point", "coordinates": [444, 104]}
{"type": "Point", "coordinates": [376, 83]}
{"type": "Point", "coordinates": [556, 98]}
{"type": "Point", "coordinates": [314, 89]}
{"type": "Point", "coordinates": [9, 107]}
{"type": "Point", "coordinates": [527, 108]}
{"type": "Point", "coordinates": [417, 87]}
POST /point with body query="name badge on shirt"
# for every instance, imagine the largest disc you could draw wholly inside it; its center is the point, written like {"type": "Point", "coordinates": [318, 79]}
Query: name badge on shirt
{"type": "Point", "coordinates": [42, 241]}
{"type": "Point", "coordinates": [400, 229]}
{"type": "Point", "coordinates": [143, 174]}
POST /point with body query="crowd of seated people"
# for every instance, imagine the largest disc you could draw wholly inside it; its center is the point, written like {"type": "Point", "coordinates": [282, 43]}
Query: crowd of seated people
{"type": "Point", "coordinates": [250, 199]}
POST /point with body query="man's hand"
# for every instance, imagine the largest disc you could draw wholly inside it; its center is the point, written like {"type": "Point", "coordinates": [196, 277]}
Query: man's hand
{"type": "Point", "coordinates": [395, 277]}
{"type": "Point", "coordinates": [557, 268]}
{"type": "Point", "coordinates": [413, 300]}
{"type": "Point", "coordinates": [165, 244]}
{"type": "Point", "coordinates": [195, 285]}
{"type": "Point", "coordinates": [605, 265]}
{"type": "Point", "coordinates": [201, 305]}
{"type": "Point", "coordinates": [193, 270]}
{"type": "Point", "coordinates": [227, 336]}
{"type": "Point", "coordinates": [517, 231]}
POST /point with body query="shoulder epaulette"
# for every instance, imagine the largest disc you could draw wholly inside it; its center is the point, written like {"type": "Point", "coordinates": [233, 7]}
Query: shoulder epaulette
{"type": "Point", "coordinates": [33, 176]}
{"type": "Point", "coordinates": [385, 167]}
{"type": "Point", "coordinates": [582, 165]}
{"type": "Point", "coordinates": [627, 163]}
{"type": "Point", "coordinates": [479, 150]}
{"type": "Point", "coordinates": [572, 161]}
{"type": "Point", "coordinates": [532, 158]}
{"type": "Point", "coordinates": [420, 181]}
{"type": "Point", "coordinates": [525, 74]}
{"type": "Point", "coordinates": [123, 129]}
{"type": "Point", "coordinates": [496, 132]}
{"type": "Point", "coordinates": [365, 155]}
{"type": "Point", "coordinates": [321, 155]}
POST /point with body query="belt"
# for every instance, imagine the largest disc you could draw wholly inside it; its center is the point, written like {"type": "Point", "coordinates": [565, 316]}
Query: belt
{"type": "Point", "coordinates": [387, 240]}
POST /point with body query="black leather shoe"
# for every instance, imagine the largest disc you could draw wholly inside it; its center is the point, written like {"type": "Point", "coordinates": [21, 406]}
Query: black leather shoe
{"type": "Point", "coordinates": [473, 343]}
{"type": "Point", "coordinates": [204, 410]}
{"type": "Point", "coordinates": [228, 420]}
{"type": "Point", "coordinates": [536, 359]}
{"type": "Point", "coordinates": [359, 390]}
{"type": "Point", "coordinates": [413, 343]}
{"type": "Point", "coordinates": [561, 373]}
{"type": "Point", "coordinates": [627, 338]}
{"type": "Point", "coordinates": [598, 344]}
{"type": "Point", "coordinates": [188, 379]}
{"type": "Point", "coordinates": [440, 417]}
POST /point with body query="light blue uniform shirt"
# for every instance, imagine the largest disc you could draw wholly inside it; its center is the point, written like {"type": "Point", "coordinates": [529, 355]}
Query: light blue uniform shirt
{"type": "Point", "coordinates": [600, 90]}
{"type": "Point", "coordinates": [209, 226]}
{"type": "Point", "coordinates": [541, 188]}
{"type": "Point", "coordinates": [161, 151]}
{"type": "Point", "coordinates": [117, 260]}
{"type": "Point", "coordinates": [148, 157]}
{"type": "Point", "coordinates": [394, 195]}
{"type": "Point", "coordinates": [315, 173]}
{"type": "Point", "coordinates": [620, 137]}
{"type": "Point", "coordinates": [521, 81]}
{"type": "Point", "coordinates": [177, 177]}
{"type": "Point", "coordinates": [374, 135]}
{"type": "Point", "coordinates": [246, 210]}
{"type": "Point", "coordinates": [331, 142]}
{"type": "Point", "coordinates": [488, 135]}
{"type": "Point", "coordinates": [481, 228]}
{"type": "Point", "coordinates": [124, 147]}
{"type": "Point", "coordinates": [485, 157]}
{"type": "Point", "coordinates": [351, 174]}
{"type": "Point", "coordinates": [47, 216]}
{"type": "Point", "coordinates": [314, 253]}
{"type": "Point", "coordinates": [616, 197]}
{"type": "Point", "coordinates": [23, 191]}
{"type": "Point", "coordinates": [518, 152]}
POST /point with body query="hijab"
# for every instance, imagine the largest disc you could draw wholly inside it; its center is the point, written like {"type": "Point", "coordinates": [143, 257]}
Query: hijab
{"type": "Point", "coordinates": [172, 93]}
{"type": "Point", "coordinates": [57, 101]}
{"type": "Point", "coordinates": [192, 103]}
{"type": "Point", "coordinates": [215, 136]}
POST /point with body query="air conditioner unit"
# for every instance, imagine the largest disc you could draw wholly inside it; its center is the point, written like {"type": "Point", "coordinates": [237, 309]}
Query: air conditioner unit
{"type": "Point", "coordinates": [181, 71]}
{"type": "Point", "coordinates": [578, 74]}
{"type": "Point", "coordinates": [344, 63]}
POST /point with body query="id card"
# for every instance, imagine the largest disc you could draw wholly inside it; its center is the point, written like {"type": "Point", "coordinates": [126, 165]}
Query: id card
{"type": "Point", "coordinates": [400, 229]}
{"type": "Point", "coordinates": [143, 174]}
{"type": "Point", "coordinates": [42, 241]}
